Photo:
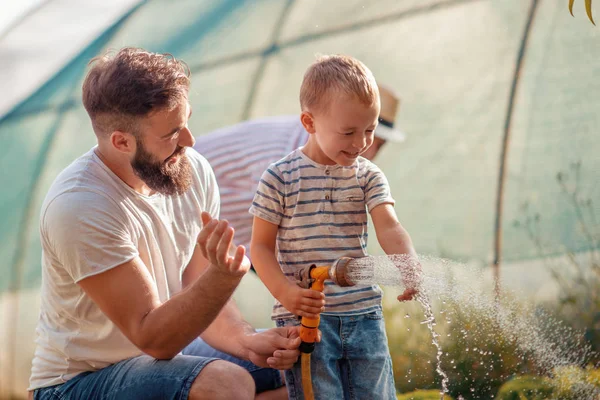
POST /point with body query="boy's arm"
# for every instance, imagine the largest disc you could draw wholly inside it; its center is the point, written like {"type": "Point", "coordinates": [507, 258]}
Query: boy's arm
{"type": "Point", "coordinates": [303, 302]}
{"type": "Point", "coordinates": [394, 239]}
{"type": "Point", "coordinates": [391, 235]}
{"type": "Point", "coordinates": [262, 247]}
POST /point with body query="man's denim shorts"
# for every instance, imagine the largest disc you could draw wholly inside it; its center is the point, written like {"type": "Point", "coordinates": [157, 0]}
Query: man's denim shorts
{"type": "Point", "coordinates": [145, 377]}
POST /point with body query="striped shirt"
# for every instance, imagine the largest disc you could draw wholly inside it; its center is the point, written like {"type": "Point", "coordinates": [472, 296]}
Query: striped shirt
{"type": "Point", "coordinates": [239, 154]}
{"type": "Point", "coordinates": [321, 211]}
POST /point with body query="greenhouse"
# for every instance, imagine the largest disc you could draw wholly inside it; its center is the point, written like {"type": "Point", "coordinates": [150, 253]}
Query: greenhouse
{"type": "Point", "coordinates": [499, 103]}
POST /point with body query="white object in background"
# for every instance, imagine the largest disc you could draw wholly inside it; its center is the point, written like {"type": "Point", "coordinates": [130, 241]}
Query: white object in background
{"type": "Point", "coordinates": [36, 48]}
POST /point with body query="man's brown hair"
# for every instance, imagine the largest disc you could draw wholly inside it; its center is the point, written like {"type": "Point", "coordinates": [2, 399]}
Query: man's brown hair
{"type": "Point", "coordinates": [121, 87]}
{"type": "Point", "coordinates": [336, 74]}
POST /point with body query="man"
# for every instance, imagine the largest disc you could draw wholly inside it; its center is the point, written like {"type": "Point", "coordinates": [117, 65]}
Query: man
{"type": "Point", "coordinates": [129, 278]}
{"type": "Point", "coordinates": [239, 154]}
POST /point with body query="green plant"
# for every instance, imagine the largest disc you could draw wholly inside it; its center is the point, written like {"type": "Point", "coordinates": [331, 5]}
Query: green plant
{"type": "Point", "coordinates": [566, 383]}
{"type": "Point", "coordinates": [525, 387]}
{"type": "Point", "coordinates": [478, 354]}
{"type": "Point", "coordinates": [423, 395]}
{"type": "Point", "coordinates": [588, 9]}
{"type": "Point", "coordinates": [578, 281]}
{"type": "Point", "coordinates": [593, 376]}
{"type": "Point", "coordinates": [410, 348]}
{"type": "Point", "coordinates": [574, 383]}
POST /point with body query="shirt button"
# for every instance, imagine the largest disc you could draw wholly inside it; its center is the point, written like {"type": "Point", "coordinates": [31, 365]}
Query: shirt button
{"type": "Point", "coordinates": [326, 197]}
{"type": "Point", "coordinates": [327, 172]}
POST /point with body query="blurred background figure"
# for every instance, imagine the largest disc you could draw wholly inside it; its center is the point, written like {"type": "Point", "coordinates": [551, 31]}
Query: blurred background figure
{"type": "Point", "coordinates": [500, 101]}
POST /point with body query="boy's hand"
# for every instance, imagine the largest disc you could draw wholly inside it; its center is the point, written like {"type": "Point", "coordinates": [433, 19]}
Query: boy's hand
{"type": "Point", "coordinates": [303, 302]}
{"type": "Point", "coordinates": [408, 294]}
{"type": "Point", "coordinates": [412, 278]}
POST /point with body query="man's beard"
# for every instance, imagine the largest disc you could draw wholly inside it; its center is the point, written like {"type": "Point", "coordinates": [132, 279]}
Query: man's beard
{"type": "Point", "coordinates": [160, 176]}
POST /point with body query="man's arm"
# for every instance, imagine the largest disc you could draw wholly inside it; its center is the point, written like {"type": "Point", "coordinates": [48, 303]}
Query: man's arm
{"type": "Point", "coordinates": [228, 326]}
{"type": "Point", "coordinates": [127, 295]}
{"type": "Point", "coordinates": [230, 333]}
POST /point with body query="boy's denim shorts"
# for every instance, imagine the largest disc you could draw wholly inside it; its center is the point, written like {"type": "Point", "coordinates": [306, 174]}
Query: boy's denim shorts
{"type": "Point", "coordinates": [145, 377]}
{"type": "Point", "coordinates": [352, 361]}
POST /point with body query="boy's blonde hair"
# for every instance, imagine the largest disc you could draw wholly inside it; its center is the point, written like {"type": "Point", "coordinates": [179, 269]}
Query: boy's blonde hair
{"type": "Point", "coordinates": [336, 74]}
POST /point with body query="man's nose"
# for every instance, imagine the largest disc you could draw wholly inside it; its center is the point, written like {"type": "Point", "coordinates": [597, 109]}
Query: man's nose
{"type": "Point", "coordinates": [186, 139]}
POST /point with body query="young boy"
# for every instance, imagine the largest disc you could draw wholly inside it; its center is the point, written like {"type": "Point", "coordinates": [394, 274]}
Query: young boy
{"type": "Point", "coordinates": [311, 207]}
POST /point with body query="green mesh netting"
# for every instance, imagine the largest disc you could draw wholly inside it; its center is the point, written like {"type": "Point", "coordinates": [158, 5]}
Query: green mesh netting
{"type": "Point", "coordinates": [453, 63]}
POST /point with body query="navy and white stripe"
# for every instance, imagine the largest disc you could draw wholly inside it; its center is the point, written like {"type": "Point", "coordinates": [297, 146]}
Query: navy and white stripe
{"type": "Point", "coordinates": [239, 154]}
{"type": "Point", "coordinates": [321, 212]}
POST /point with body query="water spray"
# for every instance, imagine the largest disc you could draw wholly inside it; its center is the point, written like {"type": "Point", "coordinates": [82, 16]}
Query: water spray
{"type": "Point", "coordinates": [551, 344]}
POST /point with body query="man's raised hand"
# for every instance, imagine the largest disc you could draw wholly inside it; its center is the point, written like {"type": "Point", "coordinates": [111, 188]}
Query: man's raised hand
{"type": "Point", "coordinates": [216, 244]}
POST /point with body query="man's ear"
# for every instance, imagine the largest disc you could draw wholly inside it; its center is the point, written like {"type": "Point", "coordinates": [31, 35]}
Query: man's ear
{"type": "Point", "coordinates": [123, 142]}
{"type": "Point", "coordinates": [308, 122]}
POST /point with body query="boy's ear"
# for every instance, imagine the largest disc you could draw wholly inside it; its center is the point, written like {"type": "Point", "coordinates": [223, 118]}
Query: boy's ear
{"type": "Point", "coordinates": [308, 122]}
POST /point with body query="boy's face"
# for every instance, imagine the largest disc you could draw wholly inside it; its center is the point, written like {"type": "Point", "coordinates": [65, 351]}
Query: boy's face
{"type": "Point", "coordinates": [342, 133]}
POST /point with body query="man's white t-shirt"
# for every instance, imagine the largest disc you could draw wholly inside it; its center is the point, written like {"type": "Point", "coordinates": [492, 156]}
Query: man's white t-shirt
{"type": "Point", "coordinates": [91, 221]}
